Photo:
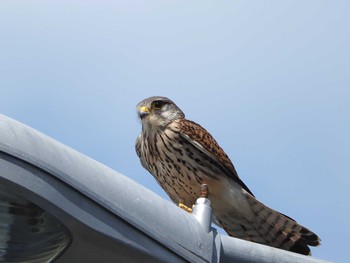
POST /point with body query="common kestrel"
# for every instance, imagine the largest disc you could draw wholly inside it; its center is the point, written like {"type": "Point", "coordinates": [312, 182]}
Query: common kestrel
{"type": "Point", "coordinates": [182, 155]}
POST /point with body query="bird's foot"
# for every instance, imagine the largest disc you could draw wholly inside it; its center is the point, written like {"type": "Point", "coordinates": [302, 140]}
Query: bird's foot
{"type": "Point", "coordinates": [186, 208]}
{"type": "Point", "coordinates": [204, 191]}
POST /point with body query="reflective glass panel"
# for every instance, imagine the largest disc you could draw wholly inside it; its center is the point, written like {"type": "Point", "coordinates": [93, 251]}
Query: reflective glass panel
{"type": "Point", "coordinates": [27, 232]}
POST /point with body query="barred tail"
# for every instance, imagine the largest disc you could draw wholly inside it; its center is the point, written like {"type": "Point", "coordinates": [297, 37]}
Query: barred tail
{"type": "Point", "coordinates": [271, 228]}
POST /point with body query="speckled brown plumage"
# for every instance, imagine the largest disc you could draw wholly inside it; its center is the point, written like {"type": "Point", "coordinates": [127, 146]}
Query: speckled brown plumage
{"type": "Point", "coordinates": [182, 155]}
{"type": "Point", "coordinates": [197, 133]}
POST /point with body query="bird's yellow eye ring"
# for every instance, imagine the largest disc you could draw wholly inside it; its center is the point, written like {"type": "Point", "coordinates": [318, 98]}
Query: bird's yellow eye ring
{"type": "Point", "coordinates": [158, 104]}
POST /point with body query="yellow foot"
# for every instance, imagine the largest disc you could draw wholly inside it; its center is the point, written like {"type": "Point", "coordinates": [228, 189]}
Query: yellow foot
{"type": "Point", "coordinates": [184, 207]}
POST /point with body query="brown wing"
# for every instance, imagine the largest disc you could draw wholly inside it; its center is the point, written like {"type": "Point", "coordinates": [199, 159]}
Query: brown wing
{"type": "Point", "coordinates": [203, 141]}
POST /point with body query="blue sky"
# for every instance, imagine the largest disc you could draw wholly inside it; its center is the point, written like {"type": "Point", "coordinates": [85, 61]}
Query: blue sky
{"type": "Point", "coordinates": [269, 79]}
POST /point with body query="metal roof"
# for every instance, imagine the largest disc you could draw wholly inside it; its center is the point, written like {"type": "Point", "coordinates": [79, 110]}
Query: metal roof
{"type": "Point", "coordinates": [110, 216]}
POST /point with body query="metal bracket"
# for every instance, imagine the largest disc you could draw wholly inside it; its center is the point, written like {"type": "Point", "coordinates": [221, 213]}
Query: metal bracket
{"type": "Point", "coordinates": [202, 211]}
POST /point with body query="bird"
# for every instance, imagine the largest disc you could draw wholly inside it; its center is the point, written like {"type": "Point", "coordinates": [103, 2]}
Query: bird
{"type": "Point", "coordinates": [183, 156]}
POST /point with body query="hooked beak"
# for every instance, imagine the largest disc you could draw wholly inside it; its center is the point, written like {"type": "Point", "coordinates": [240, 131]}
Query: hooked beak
{"type": "Point", "coordinates": [143, 111]}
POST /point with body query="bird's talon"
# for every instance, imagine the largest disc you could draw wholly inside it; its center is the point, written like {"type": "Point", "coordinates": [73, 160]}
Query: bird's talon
{"type": "Point", "coordinates": [186, 208]}
{"type": "Point", "coordinates": [204, 191]}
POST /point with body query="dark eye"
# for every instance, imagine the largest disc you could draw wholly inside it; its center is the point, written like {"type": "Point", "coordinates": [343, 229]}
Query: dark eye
{"type": "Point", "coordinates": [158, 104]}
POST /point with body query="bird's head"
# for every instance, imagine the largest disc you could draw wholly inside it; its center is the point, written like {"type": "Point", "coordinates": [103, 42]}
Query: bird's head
{"type": "Point", "coordinates": [158, 112]}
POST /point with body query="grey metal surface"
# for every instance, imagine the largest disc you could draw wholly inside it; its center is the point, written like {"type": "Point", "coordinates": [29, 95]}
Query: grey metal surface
{"type": "Point", "coordinates": [97, 234]}
{"type": "Point", "coordinates": [237, 250]}
{"type": "Point", "coordinates": [141, 208]}
{"type": "Point", "coordinates": [103, 208]}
